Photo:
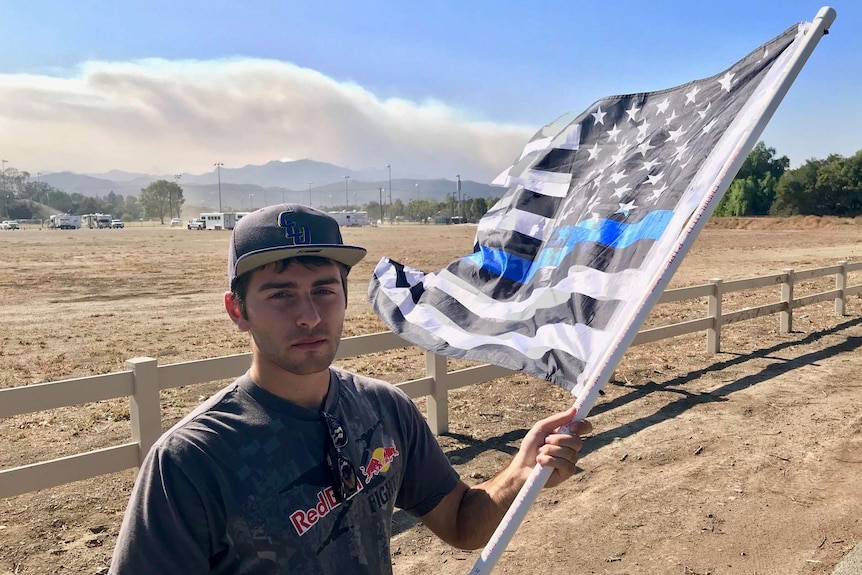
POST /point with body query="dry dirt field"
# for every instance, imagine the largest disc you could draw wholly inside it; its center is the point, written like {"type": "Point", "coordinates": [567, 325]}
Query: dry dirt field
{"type": "Point", "coordinates": [744, 462]}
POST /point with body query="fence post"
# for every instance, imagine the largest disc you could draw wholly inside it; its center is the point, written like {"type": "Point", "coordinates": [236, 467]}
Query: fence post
{"type": "Point", "coordinates": [713, 334]}
{"type": "Point", "coordinates": [144, 409]}
{"type": "Point", "coordinates": [841, 285]}
{"type": "Point", "coordinates": [437, 404]}
{"type": "Point", "coordinates": [786, 315]}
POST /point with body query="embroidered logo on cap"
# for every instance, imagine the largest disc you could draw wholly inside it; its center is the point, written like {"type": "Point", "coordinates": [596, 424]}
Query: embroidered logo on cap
{"type": "Point", "coordinates": [296, 233]}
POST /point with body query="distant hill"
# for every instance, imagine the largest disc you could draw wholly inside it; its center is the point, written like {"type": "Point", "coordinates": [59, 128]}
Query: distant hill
{"type": "Point", "coordinates": [251, 186]}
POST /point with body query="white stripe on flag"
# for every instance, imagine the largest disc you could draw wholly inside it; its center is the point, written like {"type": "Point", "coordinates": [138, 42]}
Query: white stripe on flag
{"type": "Point", "coordinates": [579, 340]}
{"type": "Point", "coordinates": [581, 280]}
{"type": "Point", "coordinates": [526, 223]}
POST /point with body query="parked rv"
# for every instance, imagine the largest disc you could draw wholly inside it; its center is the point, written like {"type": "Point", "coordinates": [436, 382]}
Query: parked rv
{"type": "Point", "coordinates": [96, 221]}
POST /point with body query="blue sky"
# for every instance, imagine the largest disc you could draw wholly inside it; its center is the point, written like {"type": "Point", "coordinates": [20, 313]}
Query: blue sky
{"type": "Point", "coordinates": [433, 88]}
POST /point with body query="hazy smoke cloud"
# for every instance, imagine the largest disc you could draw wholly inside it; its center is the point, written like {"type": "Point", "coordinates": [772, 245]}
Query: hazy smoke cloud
{"type": "Point", "coordinates": [160, 116]}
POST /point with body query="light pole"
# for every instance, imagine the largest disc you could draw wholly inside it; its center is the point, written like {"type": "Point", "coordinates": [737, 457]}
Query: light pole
{"type": "Point", "coordinates": [389, 167]}
{"type": "Point", "coordinates": [250, 198]}
{"type": "Point", "coordinates": [380, 192]}
{"type": "Point", "coordinates": [417, 191]}
{"type": "Point", "coordinates": [218, 166]}
{"type": "Point", "coordinates": [346, 193]}
{"type": "Point", "coordinates": [309, 193]}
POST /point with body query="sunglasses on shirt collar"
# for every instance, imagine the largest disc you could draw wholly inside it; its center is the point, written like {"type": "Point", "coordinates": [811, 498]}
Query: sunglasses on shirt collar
{"type": "Point", "coordinates": [344, 479]}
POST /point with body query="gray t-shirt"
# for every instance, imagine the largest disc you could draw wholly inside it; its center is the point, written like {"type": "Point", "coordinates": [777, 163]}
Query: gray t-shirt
{"type": "Point", "coordinates": [241, 485]}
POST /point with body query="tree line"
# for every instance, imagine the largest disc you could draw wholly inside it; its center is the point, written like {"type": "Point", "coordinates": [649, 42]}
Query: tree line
{"type": "Point", "coordinates": [25, 199]}
{"type": "Point", "coordinates": [764, 186]}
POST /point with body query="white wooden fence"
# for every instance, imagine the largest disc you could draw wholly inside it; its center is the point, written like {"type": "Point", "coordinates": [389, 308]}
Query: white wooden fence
{"type": "Point", "coordinates": [144, 378]}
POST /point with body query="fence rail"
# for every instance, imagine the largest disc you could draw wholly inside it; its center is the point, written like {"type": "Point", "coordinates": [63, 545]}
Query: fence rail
{"type": "Point", "coordinates": [144, 378]}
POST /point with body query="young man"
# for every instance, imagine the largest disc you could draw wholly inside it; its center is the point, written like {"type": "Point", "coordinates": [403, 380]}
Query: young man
{"type": "Point", "coordinates": [297, 466]}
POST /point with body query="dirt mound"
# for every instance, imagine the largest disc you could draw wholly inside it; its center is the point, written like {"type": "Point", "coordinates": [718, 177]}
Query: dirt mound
{"type": "Point", "coordinates": [790, 223]}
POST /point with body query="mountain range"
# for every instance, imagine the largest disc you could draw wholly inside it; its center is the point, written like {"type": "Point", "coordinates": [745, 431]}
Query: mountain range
{"type": "Point", "coordinates": [301, 181]}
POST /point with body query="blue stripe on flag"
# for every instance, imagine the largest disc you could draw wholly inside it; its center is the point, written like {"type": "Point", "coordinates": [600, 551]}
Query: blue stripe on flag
{"type": "Point", "coordinates": [610, 233]}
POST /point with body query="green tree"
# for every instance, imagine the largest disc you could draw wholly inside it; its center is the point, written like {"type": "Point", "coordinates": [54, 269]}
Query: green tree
{"type": "Point", "coordinates": [132, 209]}
{"type": "Point", "coordinates": [160, 197]}
{"type": "Point", "coordinates": [480, 208]}
{"type": "Point", "coordinates": [397, 210]}
{"type": "Point", "coordinates": [838, 186]}
{"type": "Point", "coordinates": [761, 171]}
{"type": "Point", "coordinates": [420, 210]}
{"type": "Point", "coordinates": [738, 199]}
{"type": "Point", "coordinates": [115, 204]}
{"type": "Point", "coordinates": [795, 191]}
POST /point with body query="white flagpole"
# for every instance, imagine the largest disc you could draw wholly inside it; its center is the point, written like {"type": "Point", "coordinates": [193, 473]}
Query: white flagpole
{"type": "Point", "coordinates": [530, 491]}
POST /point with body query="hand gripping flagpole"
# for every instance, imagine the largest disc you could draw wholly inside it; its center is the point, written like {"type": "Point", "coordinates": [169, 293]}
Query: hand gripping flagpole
{"type": "Point", "coordinates": [748, 137]}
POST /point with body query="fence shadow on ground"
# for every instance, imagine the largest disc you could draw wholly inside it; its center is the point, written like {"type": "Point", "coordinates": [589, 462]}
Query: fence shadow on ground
{"type": "Point", "coordinates": [689, 400]}
{"type": "Point", "coordinates": [402, 521]}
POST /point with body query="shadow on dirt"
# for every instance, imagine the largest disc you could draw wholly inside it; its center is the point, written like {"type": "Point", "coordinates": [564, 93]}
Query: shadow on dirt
{"type": "Point", "coordinates": [689, 400]}
{"type": "Point", "coordinates": [401, 521]}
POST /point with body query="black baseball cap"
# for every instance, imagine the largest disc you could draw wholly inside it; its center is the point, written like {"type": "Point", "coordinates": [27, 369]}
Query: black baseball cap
{"type": "Point", "coordinates": [285, 231]}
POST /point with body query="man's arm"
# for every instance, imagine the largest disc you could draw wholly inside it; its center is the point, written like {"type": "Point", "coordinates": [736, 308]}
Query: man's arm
{"type": "Point", "coordinates": [467, 517]}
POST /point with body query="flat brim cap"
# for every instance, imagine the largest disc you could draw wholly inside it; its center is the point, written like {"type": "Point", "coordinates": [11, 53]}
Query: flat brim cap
{"type": "Point", "coordinates": [284, 231]}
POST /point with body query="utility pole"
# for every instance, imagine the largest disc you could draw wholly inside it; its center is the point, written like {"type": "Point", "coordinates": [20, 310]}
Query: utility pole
{"type": "Point", "coordinates": [218, 166]}
{"type": "Point", "coordinates": [309, 194]}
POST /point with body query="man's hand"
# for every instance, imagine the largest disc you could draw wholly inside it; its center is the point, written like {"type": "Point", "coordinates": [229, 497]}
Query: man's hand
{"type": "Point", "coordinates": [550, 446]}
{"type": "Point", "coordinates": [467, 516]}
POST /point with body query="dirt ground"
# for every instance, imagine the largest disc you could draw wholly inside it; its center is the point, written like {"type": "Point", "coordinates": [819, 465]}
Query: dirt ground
{"type": "Point", "coordinates": [744, 462]}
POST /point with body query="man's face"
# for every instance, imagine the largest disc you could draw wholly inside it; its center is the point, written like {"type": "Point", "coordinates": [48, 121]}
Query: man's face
{"type": "Point", "coordinates": [295, 316]}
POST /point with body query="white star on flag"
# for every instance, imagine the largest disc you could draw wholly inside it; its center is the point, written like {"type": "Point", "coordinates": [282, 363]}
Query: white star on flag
{"type": "Point", "coordinates": [599, 116]}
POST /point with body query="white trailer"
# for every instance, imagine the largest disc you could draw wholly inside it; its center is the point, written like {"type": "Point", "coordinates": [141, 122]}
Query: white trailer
{"type": "Point", "coordinates": [350, 218]}
{"type": "Point", "coordinates": [64, 222]}
{"type": "Point", "coordinates": [219, 220]}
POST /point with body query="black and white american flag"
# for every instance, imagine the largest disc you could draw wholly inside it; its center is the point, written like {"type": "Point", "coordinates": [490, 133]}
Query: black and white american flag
{"type": "Point", "coordinates": [594, 210]}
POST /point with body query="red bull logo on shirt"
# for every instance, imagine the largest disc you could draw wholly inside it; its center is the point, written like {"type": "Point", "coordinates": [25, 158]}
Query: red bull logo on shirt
{"type": "Point", "coordinates": [379, 462]}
